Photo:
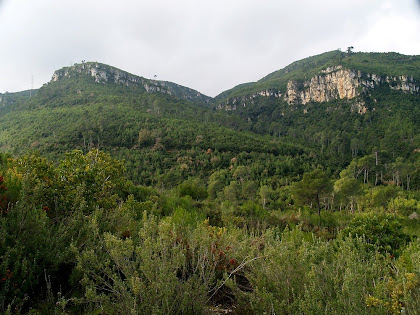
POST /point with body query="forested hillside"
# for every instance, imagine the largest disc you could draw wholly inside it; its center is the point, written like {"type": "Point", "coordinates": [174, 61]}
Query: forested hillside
{"type": "Point", "coordinates": [295, 194]}
{"type": "Point", "coordinates": [344, 106]}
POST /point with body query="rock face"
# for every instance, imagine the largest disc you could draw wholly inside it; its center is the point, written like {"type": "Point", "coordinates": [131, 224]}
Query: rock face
{"type": "Point", "coordinates": [103, 74]}
{"type": "Point", "coordinates": [322, 88]}
{"type": "Point", "coordinates": [331, 83]}
{"type": "Point", "coordinates": [338, 83]}
{"type": "Point", "coordinates": [231, 104]}
{"type": "Point", "coordinates": [9, 99]}
{"type": "Point", "coordinates": [5, 99]}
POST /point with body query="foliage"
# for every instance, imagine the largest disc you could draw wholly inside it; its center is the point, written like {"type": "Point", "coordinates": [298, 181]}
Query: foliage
{"type": "Point", "coordinates": [399, 291]}
{"type": "Point", "coordinates": [299, 274]}
{"type": "Point", "coordinates": [384, 233]}
{"type": "Point", "coordinates": [122, 199]}
{"type": "Point", "coordinates": [105, 245]}
{"type": "Point", "coordinates": [141, 275]}
{"type": "Point", "coordinates": [312, 187]}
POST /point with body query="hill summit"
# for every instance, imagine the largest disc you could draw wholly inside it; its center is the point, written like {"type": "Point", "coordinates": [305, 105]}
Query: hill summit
{"type": "Point", "coordinates": [103, 74]}
{"type": "Point", "coordinates": [332, 75]}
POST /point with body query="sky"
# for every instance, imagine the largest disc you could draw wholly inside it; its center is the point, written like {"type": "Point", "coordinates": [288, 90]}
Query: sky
{"type": "Point", "coordinates": [207, 45]}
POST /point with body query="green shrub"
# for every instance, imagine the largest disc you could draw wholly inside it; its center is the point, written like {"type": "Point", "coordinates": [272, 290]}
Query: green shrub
{"type": "Point", "coordinates": [341, 275]}
{"type": "Point", "coordinates": [25, 251]}
{"type": "Point", "coordinates": [385, 232]}
{"type": "Point", "coordinates": [277, 280]}
{"type": "Point", "coordinates": [194, 188]}
{"type": "Point", "coordinates": [144, 276]}
{"type": "Point", "coordinates": [299, 273]}
{"type": "Point", "coordinates": [398, 292]}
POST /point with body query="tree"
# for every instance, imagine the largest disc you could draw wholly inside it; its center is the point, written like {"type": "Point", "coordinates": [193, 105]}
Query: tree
{"type": "Point", "coordinates": [312, 188]}
{"type": "Point", "coordinates": [348, 189]}
{"type": "Point", "coordinates": [265, 195]}
{"type": "Point", "coordinates": [145, 137]}
{"type": "Point", "coordinates": [382, 196]}
{"type": "Point", "coordinates": [365, 165]}
{"type": "Point", "coordinates": [3, 198]}
{"type": "Point", "coordinates": [232, 191]}
{"type": "Point", "coordinates": [217, 182]}
{"type": "Point", "coordinates": [354, 146]}
{"type": "Point", "coordinates": [91, 179]}
{"type": "Point", "coordinates": [241, 173]}
{"type": "Point", "coordinates": [384, 232]}
{"type": "Point", "coordinates": [194, 188]}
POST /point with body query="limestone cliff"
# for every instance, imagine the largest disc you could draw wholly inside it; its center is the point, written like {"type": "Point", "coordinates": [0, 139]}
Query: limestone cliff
{"type": "Point", "coordinates": [101, 73]}
{"type": "Point", "coordinates": [331, 83]}
{"type": "Point", "coordinates": [232, 103]}
{"type": "Point", "coordinates": [338, 83]}
{"type": "Point", "coordinates": [105, 74]}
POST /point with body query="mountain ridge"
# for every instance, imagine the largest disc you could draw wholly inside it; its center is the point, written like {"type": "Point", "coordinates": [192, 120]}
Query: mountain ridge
{"type": "Point", "coordinates": [102, 73]}
{"type": "Point", "coordinates": [294, 76]}
{"type": "Point", "coordinates": [339, 116]}
{"type": "Point", "coordinates": [378, 65]}
{"type": "Point", "coordinates": [331, 83]}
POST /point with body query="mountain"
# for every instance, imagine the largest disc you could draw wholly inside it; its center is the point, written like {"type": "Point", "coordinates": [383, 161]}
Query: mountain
{"type": "Point", "coordinates": [161, 129]}
{"type": "Point", "coordinates": [177, 203]}
{"type": "Point", "coordinates": [324, 110]}
{"type": "Point", "coordinates": [105, 74]}
{"type": "Point", "coordinates": [358, 69]}
{"type": "Point", "coordinates": [343, 105]}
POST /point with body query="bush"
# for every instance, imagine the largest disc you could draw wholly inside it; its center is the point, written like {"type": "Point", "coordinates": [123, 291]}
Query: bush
{"type": "Point", "coordinates": [303, 274]}
{"type": "Point", "coordinates": [398, 292]}
{"type": "Point", "coordinates": [194, 188]}
{"type": "Point", "coordinates": [25, 251]}
{"type": "Point", "coordinates": [385, 233]}
{"type": "Point", "coordinates": [144, 276]}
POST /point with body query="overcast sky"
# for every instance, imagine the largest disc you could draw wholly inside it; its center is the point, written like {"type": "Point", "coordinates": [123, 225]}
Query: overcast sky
{"type": "Point", "coordinates": [208, 45]}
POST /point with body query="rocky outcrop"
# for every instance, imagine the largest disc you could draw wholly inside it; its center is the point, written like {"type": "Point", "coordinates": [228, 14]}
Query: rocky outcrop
{"type": "Point", "coordinates": [103, 74]}
{"type": "Point", "coordinates": [232, 103]}
{"type": "Point", "coordinates": [338, 83]}
{"type": "Point", "coordinates": [359, 107]}
{"type": "Point", "coordinates": [403, 83]}
{"type": "Point", "coordinates": [324, 87]}
{"type": "Point", "coordinates": [331, 83]}
{"type": "Point", "coordinates": [11, 98]}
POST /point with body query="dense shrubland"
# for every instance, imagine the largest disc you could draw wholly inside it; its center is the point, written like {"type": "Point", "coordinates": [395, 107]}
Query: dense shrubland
{"type": "Point", "coordinates": [80, 237]}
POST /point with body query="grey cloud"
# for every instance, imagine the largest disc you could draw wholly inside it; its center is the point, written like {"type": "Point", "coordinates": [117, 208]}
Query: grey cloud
{"type": "Point", "coordinates": [206, 45]}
